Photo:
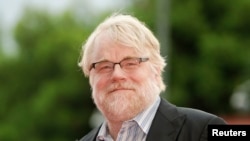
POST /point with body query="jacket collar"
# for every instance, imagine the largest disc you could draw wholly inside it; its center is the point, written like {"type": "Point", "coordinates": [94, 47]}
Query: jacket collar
{"type": "Point", "coordinates": [166, 124]}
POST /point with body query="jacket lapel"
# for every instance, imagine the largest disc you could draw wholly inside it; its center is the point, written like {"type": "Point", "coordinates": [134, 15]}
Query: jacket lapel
{"type": "Point", "coordinates": [91, 136]}
{"type": "Point", "coordinates": [166, 124]}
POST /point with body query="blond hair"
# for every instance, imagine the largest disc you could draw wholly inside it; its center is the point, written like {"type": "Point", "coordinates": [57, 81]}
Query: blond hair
{"type": "Point", "coordinates": [129, 31]}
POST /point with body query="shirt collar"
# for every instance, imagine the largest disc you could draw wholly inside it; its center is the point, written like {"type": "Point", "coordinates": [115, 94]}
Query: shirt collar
{"type": "Point", "coordinates": [143, 119]}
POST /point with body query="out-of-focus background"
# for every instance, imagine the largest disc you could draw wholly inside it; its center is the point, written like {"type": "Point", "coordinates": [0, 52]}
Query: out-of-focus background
{"type": "Point", "coordinates": [45, 96]}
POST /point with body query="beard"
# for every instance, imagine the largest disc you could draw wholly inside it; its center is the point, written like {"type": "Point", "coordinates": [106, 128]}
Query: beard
{"type": "Point", "coordinates": [125, 104]}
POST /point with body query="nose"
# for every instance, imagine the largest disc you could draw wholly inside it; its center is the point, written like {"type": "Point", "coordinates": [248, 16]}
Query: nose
{"type": "Point", "coordinates": [118, 73]}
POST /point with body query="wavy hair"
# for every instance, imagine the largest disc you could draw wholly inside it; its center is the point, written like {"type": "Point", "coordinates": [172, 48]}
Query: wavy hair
{"type": "Point", "coordinates": [129, 31]}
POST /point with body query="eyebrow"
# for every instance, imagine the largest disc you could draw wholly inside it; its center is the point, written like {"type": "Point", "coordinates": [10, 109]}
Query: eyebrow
{"type": "Point", "coordinates": [106, 60]}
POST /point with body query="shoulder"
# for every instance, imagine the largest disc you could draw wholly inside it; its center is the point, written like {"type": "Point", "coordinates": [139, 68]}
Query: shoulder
{"type": "Point", "coordinates": [190, 115]}
{"type": "Point", "coordinates": [90, 136]}
{"type": "Point", "coordinates": [200, 117]}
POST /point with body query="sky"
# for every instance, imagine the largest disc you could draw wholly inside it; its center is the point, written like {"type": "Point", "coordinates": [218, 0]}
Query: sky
{"type": "Point", "coordinates": [11, 11]}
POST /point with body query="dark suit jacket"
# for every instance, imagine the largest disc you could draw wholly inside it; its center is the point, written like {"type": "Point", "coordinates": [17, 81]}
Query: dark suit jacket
{"type": "Point", "coordinates": [173, 123]}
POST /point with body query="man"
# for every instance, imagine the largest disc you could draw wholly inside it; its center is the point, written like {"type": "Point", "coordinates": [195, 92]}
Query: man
{"type": "Point", "coordinates": [123, 62]}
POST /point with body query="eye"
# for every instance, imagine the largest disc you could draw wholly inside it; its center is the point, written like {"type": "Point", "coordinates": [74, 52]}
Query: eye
{"type": "Point", "coordinates": [130, 63]}
{"type": "Point", "coordinates": [104, 66]}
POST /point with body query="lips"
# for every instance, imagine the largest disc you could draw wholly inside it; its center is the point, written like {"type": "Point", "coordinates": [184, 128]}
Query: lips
{"type": "Point", "coordinates": [119, 89]}
{"type": "Point", "coordinates": [115, 87]}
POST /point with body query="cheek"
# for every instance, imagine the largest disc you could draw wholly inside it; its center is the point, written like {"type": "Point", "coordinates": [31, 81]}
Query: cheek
{"type": "Point", "coordinates": [143, 76]}
{"type": "Point", "coordinates": [98, 83]}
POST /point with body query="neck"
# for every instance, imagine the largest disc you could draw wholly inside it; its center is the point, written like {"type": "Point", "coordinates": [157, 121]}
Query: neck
{"type": "Point", "coordinates": [114, 128]}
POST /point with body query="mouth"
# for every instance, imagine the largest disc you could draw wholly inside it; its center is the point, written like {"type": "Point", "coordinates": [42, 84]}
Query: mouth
{"type": "Point", "coordinates": [119, 89]}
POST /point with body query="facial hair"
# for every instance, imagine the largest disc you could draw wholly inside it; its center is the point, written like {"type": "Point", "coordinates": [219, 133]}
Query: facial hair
{"type": "Point", "coordinates": [125, 105]}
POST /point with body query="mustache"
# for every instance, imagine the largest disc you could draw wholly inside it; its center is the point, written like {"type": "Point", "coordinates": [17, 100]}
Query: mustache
{"type": "Point", "coordinates": [120, 85]}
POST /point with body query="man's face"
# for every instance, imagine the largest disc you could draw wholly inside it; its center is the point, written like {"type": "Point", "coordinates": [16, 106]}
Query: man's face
{"type": "Point", "coordinates": [121, 95]}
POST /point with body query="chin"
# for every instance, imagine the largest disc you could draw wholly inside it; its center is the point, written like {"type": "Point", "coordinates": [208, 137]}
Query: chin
{"type": "Point", "coordinates": [123, 110]}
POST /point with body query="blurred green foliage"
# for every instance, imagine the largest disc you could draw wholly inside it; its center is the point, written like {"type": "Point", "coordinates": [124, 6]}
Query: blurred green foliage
{"type": "Point", "coordinates": [210, 52]}
{"type": "Point", "coordinates": [44, 95]}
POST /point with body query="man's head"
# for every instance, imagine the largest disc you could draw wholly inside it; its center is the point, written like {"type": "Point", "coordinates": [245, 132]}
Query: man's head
{"type": "Point", "coordinates": [122, 59]}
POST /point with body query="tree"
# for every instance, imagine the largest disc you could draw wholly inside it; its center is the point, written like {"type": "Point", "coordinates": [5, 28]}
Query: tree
{"type": "Point", "coordinates": [44, 94]}
{"type": "Point", "coordinates": [208, 50]}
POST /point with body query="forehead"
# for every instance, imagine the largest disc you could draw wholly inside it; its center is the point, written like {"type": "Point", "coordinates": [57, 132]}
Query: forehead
{"type": "Point", "coordinates": [106, 48]}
